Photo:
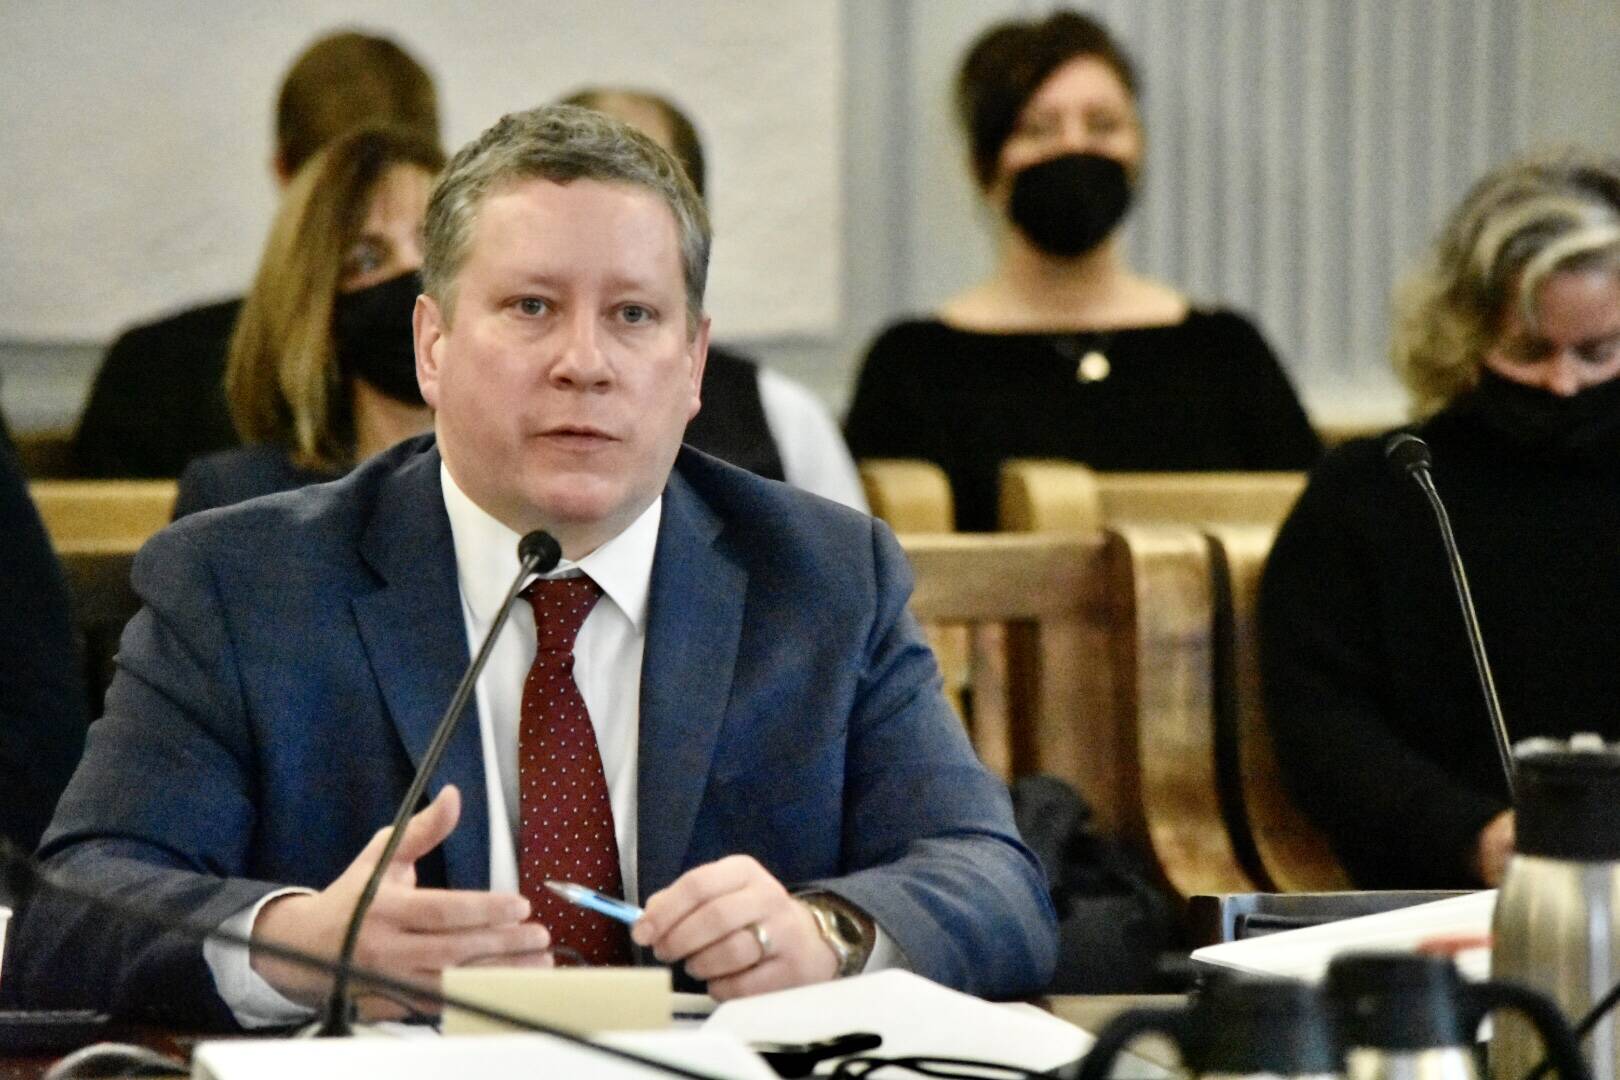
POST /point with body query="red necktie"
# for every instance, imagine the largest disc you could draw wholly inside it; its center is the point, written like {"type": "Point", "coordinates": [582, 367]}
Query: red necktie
{"type": "Point", "coordinates": [565, 829]}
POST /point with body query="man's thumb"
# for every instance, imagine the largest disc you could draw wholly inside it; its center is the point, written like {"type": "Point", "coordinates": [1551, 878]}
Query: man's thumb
{"type": "Point", "coordinates": [430, 826]}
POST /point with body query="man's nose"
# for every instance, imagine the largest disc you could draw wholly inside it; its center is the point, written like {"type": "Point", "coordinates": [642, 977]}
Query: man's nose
{"type": "Point", "coordinates": [580, 363]}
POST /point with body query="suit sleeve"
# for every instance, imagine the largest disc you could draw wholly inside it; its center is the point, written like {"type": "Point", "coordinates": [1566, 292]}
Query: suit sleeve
{"type": "Point", "coordinates": [1395, 817]}
{"type": "Point", "coordinates": [174, 842]}
{"type": "Point", "coordinates": [940, 864]}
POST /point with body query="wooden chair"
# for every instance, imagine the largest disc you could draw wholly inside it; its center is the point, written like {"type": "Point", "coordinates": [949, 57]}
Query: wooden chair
{"type": "Point", "coordinates": [103, 601]}
{"type": "Point", "coordinates": [1035, 646]}
{"type": "Point", "coordinates": [1276, 842]}
{"type": "Point", "coordinates": [47, 453]}
{"type": "Point", "coordinates": [102, 515]}
{"type": "Point", "coordinates": [96, 527]}
{"type": "Point", "coordinates": [1160, 578]}
{"type": "Point", "coordinates": [1067, 497]}
{"type": "Point", "coordinates": [1089, 659]}
{"type": "Point", "coordinates": [913, 496]}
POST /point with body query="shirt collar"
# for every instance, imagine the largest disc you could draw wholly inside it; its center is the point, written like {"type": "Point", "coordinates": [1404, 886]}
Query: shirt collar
{"type": "Point", "coordinates": [486, 557]}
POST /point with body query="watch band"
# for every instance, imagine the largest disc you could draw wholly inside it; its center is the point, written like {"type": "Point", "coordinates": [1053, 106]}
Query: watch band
{"type": "Point", "coordinates": [846, 929]}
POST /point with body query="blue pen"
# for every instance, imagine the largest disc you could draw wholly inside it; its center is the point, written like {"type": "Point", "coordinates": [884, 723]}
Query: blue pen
{"type": "Point", "coordinates": [592, 900]}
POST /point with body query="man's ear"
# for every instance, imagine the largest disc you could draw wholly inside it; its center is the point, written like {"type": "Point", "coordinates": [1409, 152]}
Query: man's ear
{"type": "Point", "coordinates": [698, 351]}
{"type": "Point", "coordinates": [428, 328]}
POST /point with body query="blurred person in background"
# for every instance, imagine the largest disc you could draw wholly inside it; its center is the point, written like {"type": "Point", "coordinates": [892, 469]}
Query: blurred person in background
{"type": "Point", "coordinates": [158, 400]}
{"type": "Point", "coordinates": [322, 368]}
{"type": "Point", "coordinates": [42, 697]}
{"type": "Point", "coordinates": [1065, 351]}
{"type": "Point", "coordinates": [752, 416]}
{"type": "Point", "coordinates": [1508, 339]}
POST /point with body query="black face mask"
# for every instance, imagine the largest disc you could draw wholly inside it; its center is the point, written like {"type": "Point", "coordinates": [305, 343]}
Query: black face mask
{"type": "Point", "coordinates": [1069, 205]}
{"type": "Point", "coordinates": [1581, 426]}
{"type": "Point", "coordinates": [372, 330]}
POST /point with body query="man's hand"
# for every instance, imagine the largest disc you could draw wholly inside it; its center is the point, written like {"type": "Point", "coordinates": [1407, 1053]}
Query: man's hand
{"type": "Point", "coordinates": [1494, 848]}
{"type": "Point", "coordinates": [707, 918]}
{"type": "Point", "coordinates": [410, 933]}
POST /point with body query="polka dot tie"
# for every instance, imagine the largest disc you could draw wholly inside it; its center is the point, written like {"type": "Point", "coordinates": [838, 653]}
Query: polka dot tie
{"type": "Point", "coordinates": [565, 828]}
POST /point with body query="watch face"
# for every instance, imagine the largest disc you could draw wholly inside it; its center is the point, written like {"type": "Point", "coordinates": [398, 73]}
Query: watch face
{"type": "Point", "coordinates": [847, 929]}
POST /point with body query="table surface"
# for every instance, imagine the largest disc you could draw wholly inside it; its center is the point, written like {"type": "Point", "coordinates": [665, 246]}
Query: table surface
{"type": "Point", "coordinates": [1086, 1012]}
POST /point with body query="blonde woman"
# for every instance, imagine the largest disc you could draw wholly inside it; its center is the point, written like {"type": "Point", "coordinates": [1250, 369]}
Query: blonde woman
{"type": "Point", "coordinates": [321, 371]}
{"type": "Point", "coordinates": [1508, 339]}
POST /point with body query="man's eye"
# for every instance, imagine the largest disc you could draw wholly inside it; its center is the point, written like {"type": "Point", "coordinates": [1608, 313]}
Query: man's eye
{"type": "Point", "coordinates": [635, 313]}
{"type": "Point", "coordinates": [532, 305]}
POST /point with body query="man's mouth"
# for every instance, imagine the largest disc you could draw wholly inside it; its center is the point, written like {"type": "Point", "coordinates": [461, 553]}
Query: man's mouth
{"type": "Point", "coordinates": [577, 436]}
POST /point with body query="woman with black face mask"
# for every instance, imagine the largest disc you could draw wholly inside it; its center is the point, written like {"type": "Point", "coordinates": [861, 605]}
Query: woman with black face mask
{"type": "Point", "coordinates": [321, 372]}
{"type": "Point", "coordinates": [1508, 338]}
{"type": "Point", "coordinates": [1065, 352]}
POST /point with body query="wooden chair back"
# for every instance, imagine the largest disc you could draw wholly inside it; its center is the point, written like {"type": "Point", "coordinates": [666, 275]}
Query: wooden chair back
{"type": "Point", "coordinates": [103, 601]}
{"type": "Point", "coordinates": [102, 515]}
{"type": "Point", "coordinates": [47, 453]}
{"type": "Point", "coordinates": [1283, 851]}
{"type": "Point", "coordinates": [1068, 497]}
{"type": "Point", "coordinates": [1161, 583]}
{"type": "Point", "coordinates": [1034, 644]}
{"type": "Point", "coordinates": [913, 496]}
{"type": "Point", "coordinates": [1089, 659]}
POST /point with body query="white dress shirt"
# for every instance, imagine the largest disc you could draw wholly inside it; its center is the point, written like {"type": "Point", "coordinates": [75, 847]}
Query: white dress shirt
{"type": "Point", "coordinates": [813, 452]}
{"type": "Point", "coordinates": [607, 668]}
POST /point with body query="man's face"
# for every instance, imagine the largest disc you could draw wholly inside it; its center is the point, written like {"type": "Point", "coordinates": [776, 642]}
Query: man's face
{"type": "Point", "coordinates": [565, 377]}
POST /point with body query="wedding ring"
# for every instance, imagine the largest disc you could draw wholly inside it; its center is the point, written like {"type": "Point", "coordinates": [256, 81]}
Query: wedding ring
{"type": "Point", "coordinates": [764, 940]}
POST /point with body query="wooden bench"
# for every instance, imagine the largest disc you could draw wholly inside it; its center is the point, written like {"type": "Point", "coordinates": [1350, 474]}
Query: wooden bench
{"type": "Point", "coordinates": [96, 527]}
{"type": "Point", "coordinates": [912, 496]}
{"type": "Point", "coordinates": [1279, 846]}
{"type": "Point", "coordinates": [1088, 658]}
{"type": "Point", "coordinates": [1067, 497]}
{"type": "Point", "coordinates": [102, 515]}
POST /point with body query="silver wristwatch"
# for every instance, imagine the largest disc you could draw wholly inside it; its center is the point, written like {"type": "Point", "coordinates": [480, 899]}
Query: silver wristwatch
{"type": "Point", "coordinates": [847, 930]}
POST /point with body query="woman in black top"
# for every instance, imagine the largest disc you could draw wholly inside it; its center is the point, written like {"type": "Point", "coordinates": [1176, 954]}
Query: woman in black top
{"type": "Point", "coordinates": [1509, 340]}
{"type": "Point", "coordinates": [1065, 351]}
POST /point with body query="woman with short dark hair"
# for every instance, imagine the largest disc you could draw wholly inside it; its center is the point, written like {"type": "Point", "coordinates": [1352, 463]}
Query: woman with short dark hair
{"type": "Point", "coordinates": [1508, 338]}
{"type": "Point", "coordinates": [1064, 351]}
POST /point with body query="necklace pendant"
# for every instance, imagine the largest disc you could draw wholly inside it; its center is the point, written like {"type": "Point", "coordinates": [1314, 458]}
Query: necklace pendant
{"type": "Point", "coordinates": [1093, 367]}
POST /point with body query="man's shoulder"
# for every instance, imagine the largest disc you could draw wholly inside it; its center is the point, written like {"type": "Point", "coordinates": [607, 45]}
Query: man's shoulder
{"type": "Point", "coordinates": [768, 518]}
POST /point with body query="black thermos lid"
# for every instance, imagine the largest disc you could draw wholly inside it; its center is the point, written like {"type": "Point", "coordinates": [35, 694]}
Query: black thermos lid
{"type": "Point", "coordinates": [1262, 1026]}
{"type": "Point", "coordinates": [1569, 802]}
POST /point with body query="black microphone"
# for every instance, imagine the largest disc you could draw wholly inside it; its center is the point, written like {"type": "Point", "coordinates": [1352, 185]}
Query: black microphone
{"type": "Point", "coordinates": [538, 553]}
{"type": "Point", "coordinates": [22, 877]}
{"type": "Point", "coordinates": [1409, 455]}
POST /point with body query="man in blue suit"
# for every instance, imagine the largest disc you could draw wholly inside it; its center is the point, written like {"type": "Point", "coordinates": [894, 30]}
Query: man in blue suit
{"type": "Point", "coordinates": [727, 710]}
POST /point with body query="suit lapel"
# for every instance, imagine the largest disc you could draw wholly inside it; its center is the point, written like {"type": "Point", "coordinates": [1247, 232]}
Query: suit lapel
{"type": "Point", "coordinates": [694, 623]}
{"type": "Point", "coordinates": [414, 633]}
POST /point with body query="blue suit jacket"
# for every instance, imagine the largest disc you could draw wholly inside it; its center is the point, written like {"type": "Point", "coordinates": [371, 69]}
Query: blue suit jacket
{"type": "Point", "coordinates": [296, 651]}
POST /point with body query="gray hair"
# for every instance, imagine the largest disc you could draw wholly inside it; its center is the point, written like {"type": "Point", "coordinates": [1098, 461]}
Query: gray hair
{"type": "Point", "coordinates": [560, 143]}
{"type": "Point", "coordinates": [1519, 225]}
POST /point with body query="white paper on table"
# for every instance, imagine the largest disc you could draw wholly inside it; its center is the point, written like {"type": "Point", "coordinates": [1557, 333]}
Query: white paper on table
{"type": "Point", "coordinates": [1305, 953]}
{"type": "Point", "coordinates": [914, 1016]}
{"type": "Point", "coordinates": [519, 1057]}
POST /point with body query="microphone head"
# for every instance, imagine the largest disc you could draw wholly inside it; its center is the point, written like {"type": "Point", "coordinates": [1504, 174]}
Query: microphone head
{"type": "Point", "coordinates": [542, 549]}
{"type": "Point", "coordinates": [1407, 454]}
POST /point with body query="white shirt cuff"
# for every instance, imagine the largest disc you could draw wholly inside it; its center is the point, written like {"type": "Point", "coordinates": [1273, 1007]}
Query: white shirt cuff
{"type": "Point", "coordinates": [255, 1002]}
{"type": "Point", "coordinates": [885, 954]}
